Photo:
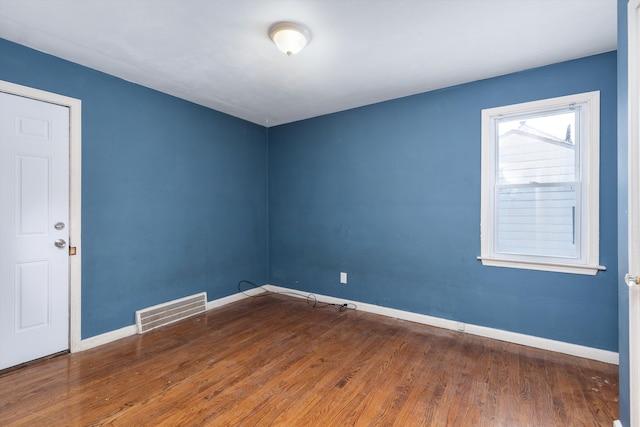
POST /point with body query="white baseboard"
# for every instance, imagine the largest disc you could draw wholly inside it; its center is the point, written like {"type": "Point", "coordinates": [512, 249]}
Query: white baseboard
{"type": "Point", "coordinates": [513, 337]}
{"type": "Point", "coordinates": [498, 334]}
{"type": "Point", "coordinates": [233, 298]}
{"type": "Point", "coordinates": [130, 330]}
{"type": "Point", "coordinates": [617, 423]}
{"type": "Point", "coordinates": [107, 337]}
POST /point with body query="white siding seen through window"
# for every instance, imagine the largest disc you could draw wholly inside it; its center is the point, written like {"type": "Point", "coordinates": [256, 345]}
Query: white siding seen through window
{"type": "Point", "coordinates": [540, 185]}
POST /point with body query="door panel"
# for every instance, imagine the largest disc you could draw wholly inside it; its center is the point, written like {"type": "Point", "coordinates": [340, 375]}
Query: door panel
{"type": "Point", "coordinates": [32, 295]}
{"type": "Point", "coordinates": [31, 205]}
{"type": "Point", "coordinates": [34, 197]}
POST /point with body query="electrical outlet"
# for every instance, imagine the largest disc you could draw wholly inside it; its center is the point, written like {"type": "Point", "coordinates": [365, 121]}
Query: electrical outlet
{"type": "Point", "coordinates": [343, 278]}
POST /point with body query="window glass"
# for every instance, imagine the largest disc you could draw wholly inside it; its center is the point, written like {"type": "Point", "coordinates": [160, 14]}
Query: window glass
{"type": "Point", "coordinates": [535, 211]}
{"type": "Point", "coordinates": [540, 185]}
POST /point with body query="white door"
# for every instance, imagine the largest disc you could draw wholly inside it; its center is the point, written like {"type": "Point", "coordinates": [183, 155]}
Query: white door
{"type": "Point", "coordinates": [34, 229]}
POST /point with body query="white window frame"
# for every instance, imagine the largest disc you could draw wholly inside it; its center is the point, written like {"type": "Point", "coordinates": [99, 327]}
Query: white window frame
{"type": "Point", "coordinates": [589, 194]}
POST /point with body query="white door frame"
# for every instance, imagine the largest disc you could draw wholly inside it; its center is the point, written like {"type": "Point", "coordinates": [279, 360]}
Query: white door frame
{"type": "Point", "coordinates": [633, 16]}
{"type": "Point", "coordinates": [75, 186]}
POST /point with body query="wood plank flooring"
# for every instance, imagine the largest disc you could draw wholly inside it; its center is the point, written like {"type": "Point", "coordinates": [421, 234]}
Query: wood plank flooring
{"type": "Point", "coordinates": [277, 361]}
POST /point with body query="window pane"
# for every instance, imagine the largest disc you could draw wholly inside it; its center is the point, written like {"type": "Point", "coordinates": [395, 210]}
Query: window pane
{"type": "Point", "coordinates": [536, 221]}
{"type": "Point", "coordinates": [540, 193]}
{"type": "Point", "coordinates": [537, 149]}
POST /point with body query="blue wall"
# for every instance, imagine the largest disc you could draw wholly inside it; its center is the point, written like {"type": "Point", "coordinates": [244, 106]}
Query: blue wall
{"type": "Point", "coordinates": [623, 230]}
{"type": "Point", "coordinates": [390, 194]}
{"type": "Point", "coordinates": [174, 195]}
{"type": "Point", "coordinates": [175, 202]}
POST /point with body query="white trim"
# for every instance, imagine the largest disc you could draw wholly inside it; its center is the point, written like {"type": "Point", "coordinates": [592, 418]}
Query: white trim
{"type": "Point", "coordinates": [528, 340]}
{"type": "Point", "coordinates": [130, 330]}
{"type": "Point", "coordinates": [107, 337]}
{"type": "Point", "coordinates": [617, 423]}
{"type": "Point", "coordinates": [590, 195]}
{"type": "Point", "coordinates": [544, 266]}
{"type": "Point", "coordinates": [633, 17]}
{"type": "Point", "coordinates": [634, 138]}
{"type": "Point", "coordinates": [75, 194]}
{"type": "Point", "coordinates": [233, 298]}
{"type": "Point", "coordinates": [634, 354]}
{"type": "Point", "coordinates": [498, 334]}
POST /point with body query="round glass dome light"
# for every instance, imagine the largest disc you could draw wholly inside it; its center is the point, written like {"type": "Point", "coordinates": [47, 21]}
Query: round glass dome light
{"type": "Point", "coordinates": [290, 38]}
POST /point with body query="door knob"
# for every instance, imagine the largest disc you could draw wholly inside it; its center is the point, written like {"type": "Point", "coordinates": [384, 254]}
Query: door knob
{"type": "Point", "coordinates": [632, 280]}
{"type": "Point", "coordinates": [59, 225]}
{"type": "Point", "coordinates": [60, 243]}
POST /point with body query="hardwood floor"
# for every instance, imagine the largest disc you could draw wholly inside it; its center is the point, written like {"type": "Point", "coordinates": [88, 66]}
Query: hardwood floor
{"type": "Point", "coordinates": [275, 360]}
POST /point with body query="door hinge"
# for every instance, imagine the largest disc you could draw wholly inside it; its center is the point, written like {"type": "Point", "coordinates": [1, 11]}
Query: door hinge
{"type": "Point", "coordinates": [72, 250]}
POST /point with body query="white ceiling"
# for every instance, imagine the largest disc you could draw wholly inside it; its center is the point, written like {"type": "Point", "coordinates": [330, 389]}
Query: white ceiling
{"type": "Point", "coordinates": [218, 53]}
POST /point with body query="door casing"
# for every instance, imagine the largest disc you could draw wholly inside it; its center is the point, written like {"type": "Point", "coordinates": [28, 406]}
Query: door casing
{"type": "Point", "coordinates": [633, 16]}
{"type": "Point", "coordinates": [75, 187]}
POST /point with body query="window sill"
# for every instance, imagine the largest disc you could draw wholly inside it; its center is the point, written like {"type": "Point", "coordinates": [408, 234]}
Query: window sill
{"type": "Point", "coordinates": [590, 270]}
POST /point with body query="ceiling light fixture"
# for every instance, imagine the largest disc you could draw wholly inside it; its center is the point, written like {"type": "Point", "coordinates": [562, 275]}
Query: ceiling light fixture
{"type": "Point", "coordinates": [289, 37]}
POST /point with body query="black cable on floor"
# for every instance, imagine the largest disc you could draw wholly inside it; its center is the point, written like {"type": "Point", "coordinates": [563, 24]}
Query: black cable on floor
{"type": "Point", "coordinates": [311, 298]}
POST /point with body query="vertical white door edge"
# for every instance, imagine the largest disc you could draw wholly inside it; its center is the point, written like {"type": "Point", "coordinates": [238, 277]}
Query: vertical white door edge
{"type": "Point", "coordinates": [634, 208]}
{"type": "Point", "coordinates": [75, 186]}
